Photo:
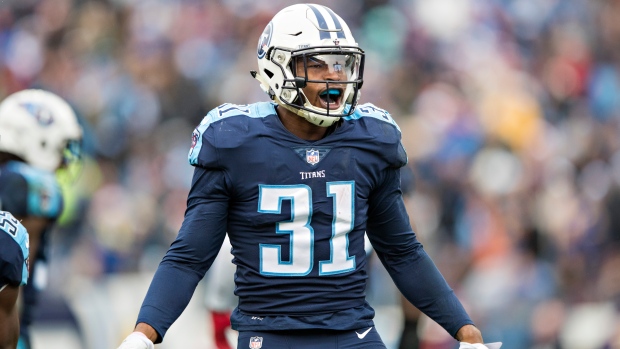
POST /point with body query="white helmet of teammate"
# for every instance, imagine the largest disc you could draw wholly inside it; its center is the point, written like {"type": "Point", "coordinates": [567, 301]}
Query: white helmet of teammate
{"type": "Point", "coordinates": [299, 34]}
{"type": "Point", "coordinates": [40, 128]}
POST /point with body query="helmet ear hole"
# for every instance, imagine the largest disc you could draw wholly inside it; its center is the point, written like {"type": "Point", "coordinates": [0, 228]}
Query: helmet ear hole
{"type": "Point", "coordinates": [268, 73]}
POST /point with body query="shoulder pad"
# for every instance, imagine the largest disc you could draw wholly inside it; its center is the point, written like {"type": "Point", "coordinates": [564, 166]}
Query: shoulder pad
{"type": "Point", "coordinates": [382, 127]}
{"type": "Point", "coordinates": [369, 110]}
{"type": "Point", "coordinates": [224, 127]}
{"type": "Point", "coordinates": [377, 123]}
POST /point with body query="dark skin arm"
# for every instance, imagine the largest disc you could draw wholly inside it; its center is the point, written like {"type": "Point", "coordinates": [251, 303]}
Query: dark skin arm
{"type": "Point", "coordinates": [35, 227]}
{"type": "Point", "coordinates": [469, 334]}
{"type": "Point", "coordinates": [9, 314]}
{"type": "Point", "coordinates": [147, 330]}
{"type": "Point", "coordinates": [9, 318]}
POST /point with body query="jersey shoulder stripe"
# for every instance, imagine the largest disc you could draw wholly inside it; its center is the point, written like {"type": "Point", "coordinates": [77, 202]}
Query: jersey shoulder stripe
{"type": "Point", "coordinates": [369, 110]}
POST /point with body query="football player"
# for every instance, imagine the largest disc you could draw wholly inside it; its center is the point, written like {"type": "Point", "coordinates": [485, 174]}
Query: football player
{"type": "Point", "coordinates": [295, 182]}
{"type": "Point", "coordinates": [39, 133]}
{"type": "Point", "coordinates": [14, 248]}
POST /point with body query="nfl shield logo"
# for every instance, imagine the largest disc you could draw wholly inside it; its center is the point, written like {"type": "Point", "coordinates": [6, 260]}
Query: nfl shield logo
{"type": "Point", "coordinates": [312, 156]}
{"type": "Point", "coordinates": [256, 342]}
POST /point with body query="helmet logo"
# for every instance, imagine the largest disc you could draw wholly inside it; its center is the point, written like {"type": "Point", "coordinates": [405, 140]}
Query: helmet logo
{"type": "Point", "coordinates": [43, 116]}
{"type": "Point", "coordinates": [264, 40]}
{"type": "Point", "coordinates": [336, 42]}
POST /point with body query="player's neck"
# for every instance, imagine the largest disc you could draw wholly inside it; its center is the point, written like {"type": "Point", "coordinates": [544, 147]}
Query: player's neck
{"type": "Point", "coordinates": [300, 127]}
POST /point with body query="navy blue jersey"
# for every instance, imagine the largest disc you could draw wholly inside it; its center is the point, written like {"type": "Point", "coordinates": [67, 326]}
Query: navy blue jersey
{"type": "Point", "coordinates": [14, 249]}
{"type": "Point", "coordinates": [296, 212]}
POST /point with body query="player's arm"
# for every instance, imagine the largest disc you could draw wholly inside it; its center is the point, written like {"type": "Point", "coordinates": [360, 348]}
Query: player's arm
{"type": "Point", "coordinates": [469, 334]}
{"type": "Point", "coordinates": [9, 318]}
{"type": "Point", "coordinates": [35, 227]}
{"type": "Point", "coordinates": [412, 270]}
{"type": "Point", "coordinates": [14, 252]}
{"type": "Point", "coordinates": [188, 258]}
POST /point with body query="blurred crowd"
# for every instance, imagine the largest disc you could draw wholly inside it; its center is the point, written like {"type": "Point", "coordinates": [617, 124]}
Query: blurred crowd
{"type": "Point", "coordinates": [509, 109]}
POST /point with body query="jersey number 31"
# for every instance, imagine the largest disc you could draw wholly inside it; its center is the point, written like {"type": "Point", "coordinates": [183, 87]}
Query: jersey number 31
{"type": "Point", "coordinates": [301, 233]}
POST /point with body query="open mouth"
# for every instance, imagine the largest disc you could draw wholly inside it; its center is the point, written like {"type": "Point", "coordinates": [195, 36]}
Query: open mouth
{"type": "Point", "coordinates": [331, 98]}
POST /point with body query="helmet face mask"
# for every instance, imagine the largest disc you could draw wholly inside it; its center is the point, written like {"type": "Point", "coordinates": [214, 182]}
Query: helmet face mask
{"type": "Point", "coordinates": [310, 68]}
{"type": "Point", "coordinates": [71, 153]}
{"type": "Point", "coordinates": [309, 45]}
{"type": "Point", "coordinates": [40, 128]}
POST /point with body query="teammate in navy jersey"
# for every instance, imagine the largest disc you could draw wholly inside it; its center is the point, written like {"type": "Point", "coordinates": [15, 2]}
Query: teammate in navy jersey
{"type": "Point", "coordinates": [39, 134]}
{"type": "Point", "coordinates": [14, 248]}
{"type": "Point", "coordinates": [295, 183]}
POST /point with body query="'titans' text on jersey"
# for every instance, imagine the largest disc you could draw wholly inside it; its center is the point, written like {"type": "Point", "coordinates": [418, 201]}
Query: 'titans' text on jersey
{"type": "Point", "coordinates": [315, 174]}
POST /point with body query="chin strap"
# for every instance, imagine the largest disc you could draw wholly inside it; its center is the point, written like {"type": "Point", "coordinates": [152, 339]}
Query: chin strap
{"type": "Point", "coordinates": [300, 112]}
{"type": "Point", "coordinates": [264, 85]}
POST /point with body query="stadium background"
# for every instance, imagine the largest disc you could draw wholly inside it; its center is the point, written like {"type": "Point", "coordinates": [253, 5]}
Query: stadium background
{"type": "Point", "coordinates": [509, 110]}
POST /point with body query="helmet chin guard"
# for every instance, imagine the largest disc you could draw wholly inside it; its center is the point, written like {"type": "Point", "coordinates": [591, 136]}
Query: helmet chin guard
{"type": "Point", "coordinates": [306, 34]}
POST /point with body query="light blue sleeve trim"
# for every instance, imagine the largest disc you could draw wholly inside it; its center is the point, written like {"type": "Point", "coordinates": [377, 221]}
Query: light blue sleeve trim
{"type": "Point", "coordinates": [24, 243]}
{"type": "Point", "coordinates": [264, 109]}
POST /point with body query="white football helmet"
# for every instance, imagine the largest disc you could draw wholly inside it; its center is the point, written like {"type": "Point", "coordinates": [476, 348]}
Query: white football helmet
{"type": "Point", "coordinates": [40, 128]}
{"type": "Point", "coordinates": [306, 33]}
